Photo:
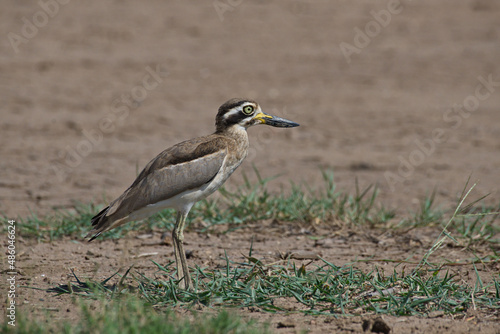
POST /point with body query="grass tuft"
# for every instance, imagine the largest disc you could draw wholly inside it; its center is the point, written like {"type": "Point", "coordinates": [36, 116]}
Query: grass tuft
{"type": "Point", "coordinates": [132, 315]}
{"type": "Point", "coordinates": [326, 289]}
{"type": "Point", "coordinates": [135, 302]}
{"type": "Point", "coordinates": [250, 203]}
{"type": "Point", "coordinates": [253, 202]}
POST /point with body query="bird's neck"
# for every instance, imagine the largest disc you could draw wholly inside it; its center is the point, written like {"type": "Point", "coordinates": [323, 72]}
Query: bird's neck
{"type": "Point", "coordinates": [236, 132]}
{"type": "Point", "coordinates": [239, 135]}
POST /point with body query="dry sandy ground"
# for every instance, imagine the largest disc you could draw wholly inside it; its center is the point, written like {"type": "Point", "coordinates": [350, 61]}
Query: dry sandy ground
{"type": "Point", "coordinates": [403, 95]}
{"type": "Point", "coordinates": [48, 265]}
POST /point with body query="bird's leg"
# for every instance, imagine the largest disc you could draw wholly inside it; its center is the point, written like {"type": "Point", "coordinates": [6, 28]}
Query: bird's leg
{"type": "Point", "coordinates": [180, 255]}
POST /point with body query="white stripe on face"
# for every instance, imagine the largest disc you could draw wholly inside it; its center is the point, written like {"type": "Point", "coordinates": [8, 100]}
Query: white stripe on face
{"type": "Point", "coordinates": [232, 112]}
{"type": "Point", "coordinates": [239, 109]}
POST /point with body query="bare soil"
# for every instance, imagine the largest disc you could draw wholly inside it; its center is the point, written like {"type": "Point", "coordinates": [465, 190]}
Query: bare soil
{"type": "Point", "coordinates": [91, 91]}
{"type": "Point", "coordinates": [48, 265]}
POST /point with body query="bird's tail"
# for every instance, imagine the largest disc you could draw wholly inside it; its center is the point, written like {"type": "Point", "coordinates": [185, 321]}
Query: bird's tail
{"type": "Point", "coordinates": [100, 223]}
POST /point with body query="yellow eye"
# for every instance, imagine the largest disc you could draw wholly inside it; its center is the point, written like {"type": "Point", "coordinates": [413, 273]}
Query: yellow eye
{"type": "Point", "coordinates": [247, 110]}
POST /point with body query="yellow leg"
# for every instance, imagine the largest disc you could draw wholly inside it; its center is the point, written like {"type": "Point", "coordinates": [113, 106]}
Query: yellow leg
{"type": "Point", "coordinates": [180, 255]}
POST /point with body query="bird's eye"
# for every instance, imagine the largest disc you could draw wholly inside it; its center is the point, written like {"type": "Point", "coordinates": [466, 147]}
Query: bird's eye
{"type": "Point", "coordinates": [247, 110]}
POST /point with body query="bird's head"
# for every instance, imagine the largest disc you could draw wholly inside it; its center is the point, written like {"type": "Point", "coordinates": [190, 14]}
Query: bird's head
{"type": "Point", "coordinates": [245, 113]}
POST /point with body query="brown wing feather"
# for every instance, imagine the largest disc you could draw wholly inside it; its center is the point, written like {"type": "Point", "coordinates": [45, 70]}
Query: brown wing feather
{"type": "Point", "coordinates": [185, 166]}
{"type": "Point", "coordinates": [167, 182]}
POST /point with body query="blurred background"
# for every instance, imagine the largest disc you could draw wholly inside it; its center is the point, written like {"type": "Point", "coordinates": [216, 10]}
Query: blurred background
{"type": "Point", "coordinates": [403, 94]}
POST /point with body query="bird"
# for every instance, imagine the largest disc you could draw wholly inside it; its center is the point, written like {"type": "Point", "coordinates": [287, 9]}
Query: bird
{"type": "Point", "coordinates": [186, 173]}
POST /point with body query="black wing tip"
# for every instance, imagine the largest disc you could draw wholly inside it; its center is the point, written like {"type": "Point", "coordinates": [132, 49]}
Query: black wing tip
{"type": "Point", "coordinates": [98, 217]}
{"type": "Point", "coordinates": [97, 220]}
{"type": "Point", "coordinates": [94, 236]}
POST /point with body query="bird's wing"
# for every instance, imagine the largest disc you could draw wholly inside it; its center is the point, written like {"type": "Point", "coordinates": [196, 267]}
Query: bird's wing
{"type": "Point", "coordinates": [187, 165]}
{"type": "Point", "coordinates": [180, 168]}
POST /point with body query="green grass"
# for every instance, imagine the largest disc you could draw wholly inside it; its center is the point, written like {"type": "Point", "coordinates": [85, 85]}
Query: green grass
{"type": "Point", "coordinates": [320, 289]}
{"type": "Point", "coordinates": [134, 316]}
{"type": "Point", "coordinates": [427, 215]}
{"type": "Point", "coordinates": [252, 202]}
{"type": "Point", "coordinates": [325, 289]}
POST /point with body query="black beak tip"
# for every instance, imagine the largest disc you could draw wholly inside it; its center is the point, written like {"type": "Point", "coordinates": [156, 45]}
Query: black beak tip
{"type": "Point", "coordinates": [279, 122]}
{"type": "Point", "coordinates": [289, 125]}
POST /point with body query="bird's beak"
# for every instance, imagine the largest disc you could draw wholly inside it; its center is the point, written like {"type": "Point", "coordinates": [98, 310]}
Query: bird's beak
{"type": "Point", "coordinates": [274, 121]}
